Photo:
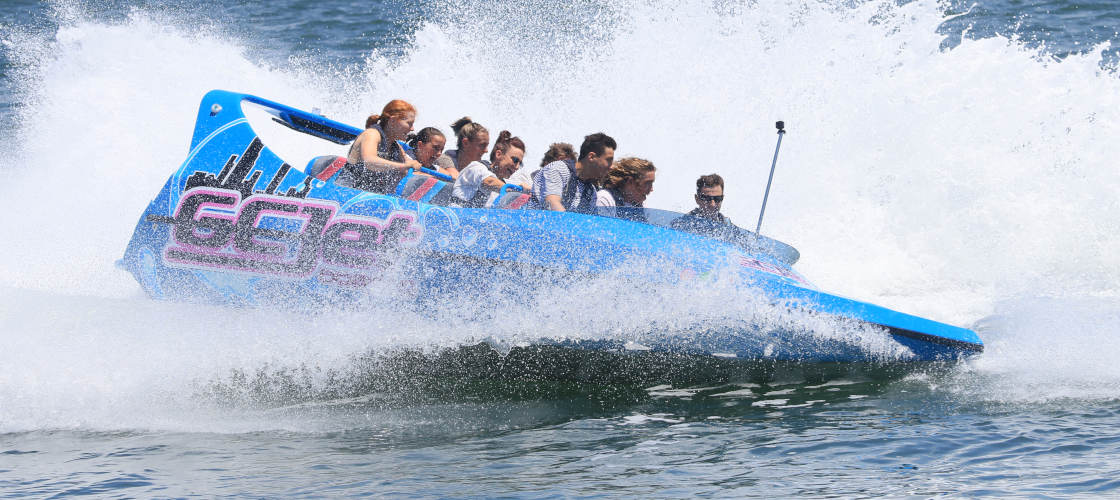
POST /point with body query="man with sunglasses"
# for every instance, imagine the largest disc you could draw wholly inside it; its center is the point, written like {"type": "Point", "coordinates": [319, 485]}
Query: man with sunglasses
{"type": "Point", "coordinates": [709, 199]}
{"type": "Point", "coordinates": [705, 218]}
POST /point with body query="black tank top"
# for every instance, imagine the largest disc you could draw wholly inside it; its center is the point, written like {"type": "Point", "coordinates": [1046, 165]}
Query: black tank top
{"type": "Point", "coordinates": [378, 182]}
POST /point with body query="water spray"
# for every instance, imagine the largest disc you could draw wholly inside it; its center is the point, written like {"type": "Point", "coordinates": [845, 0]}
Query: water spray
{"type": "Point", "coordinates": [781, 131]}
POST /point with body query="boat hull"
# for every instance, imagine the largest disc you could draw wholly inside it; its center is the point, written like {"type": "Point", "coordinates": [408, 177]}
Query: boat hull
{"type": "Point", "coordinates": [236, 224]}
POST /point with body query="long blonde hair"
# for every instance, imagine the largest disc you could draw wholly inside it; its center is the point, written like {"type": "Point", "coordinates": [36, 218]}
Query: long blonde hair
{"type": "Point", "coordinates": [627, 169]}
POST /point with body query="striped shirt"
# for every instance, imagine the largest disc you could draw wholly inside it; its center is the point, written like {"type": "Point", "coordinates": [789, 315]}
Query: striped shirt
{"type": "Point", "coordinates": [559, 178]}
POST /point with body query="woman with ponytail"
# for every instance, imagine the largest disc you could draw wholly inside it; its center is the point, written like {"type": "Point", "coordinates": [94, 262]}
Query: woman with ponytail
{"type": "Point", "coordinates": [376, 162]}
{"type": "Point", "coordinates": [426, 146]}
{"type": "Point", "coordinates": [478, 183]}
{"type": "Point", "coordinates": [472, 141]}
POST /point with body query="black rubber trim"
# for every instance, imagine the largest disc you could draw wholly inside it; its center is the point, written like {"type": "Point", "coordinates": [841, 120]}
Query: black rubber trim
{"type": "Point", "coordinates": [316, 129]}
{"type": "Point", "coordinates": [934, 339]}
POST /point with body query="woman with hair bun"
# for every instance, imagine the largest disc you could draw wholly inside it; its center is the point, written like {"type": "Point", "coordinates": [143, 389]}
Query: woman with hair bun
{"type": "Point", "coordinates": [426, 146]}
{"type": "Point", "coordinates": [628, 183]}
{"type": "Point", "coordinates": [478, 183]}
{"type": "Point", "coordinates": [472, 141]}
{"type": "Point", "coordinates": [376, 162]}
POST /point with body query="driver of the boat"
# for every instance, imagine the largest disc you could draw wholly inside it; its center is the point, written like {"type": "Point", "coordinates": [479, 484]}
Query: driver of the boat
{"type": "Point", "coordinates": [709, 199]}
{"type": "Point", "coordinates": [376, 161]}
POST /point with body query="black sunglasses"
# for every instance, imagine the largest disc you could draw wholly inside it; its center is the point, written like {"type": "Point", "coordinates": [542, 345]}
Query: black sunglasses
{"type": "Point", "coordinates": [718, 198]}
{"type": "Point", "coordinates": [515, 160]}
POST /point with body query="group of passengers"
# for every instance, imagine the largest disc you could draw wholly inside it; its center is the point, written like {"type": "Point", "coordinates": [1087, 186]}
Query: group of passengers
{"type": "Point", "coordinates": [383, 154]}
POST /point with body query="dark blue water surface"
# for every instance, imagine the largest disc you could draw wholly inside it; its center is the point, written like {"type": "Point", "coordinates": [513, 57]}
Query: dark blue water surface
{"type": "Point", "coordinates": [965, 430]}
{"type": "Point", "coordinates": [850, 439]}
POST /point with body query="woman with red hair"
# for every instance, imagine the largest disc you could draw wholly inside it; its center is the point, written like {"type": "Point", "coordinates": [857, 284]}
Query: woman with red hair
{"type": "Point", "coordinates": [376, 161]}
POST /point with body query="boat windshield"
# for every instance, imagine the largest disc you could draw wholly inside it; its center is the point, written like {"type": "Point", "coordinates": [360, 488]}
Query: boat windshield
{"type": "Point", "coordinates": [749, 241]}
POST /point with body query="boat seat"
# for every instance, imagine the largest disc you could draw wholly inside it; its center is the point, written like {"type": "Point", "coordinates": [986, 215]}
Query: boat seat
{"type": "Point", "coordinates": [511, 197]}
{"type": "Point", "coordinates": [429, 187]}
{"type": "Point", "coordinates": [325, 168]}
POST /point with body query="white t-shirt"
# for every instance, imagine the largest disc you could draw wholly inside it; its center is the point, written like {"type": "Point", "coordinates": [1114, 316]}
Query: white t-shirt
{"type": "Point", "coordinates": [468, 186]}
{"type": "Point", "coordinates": [523, 176]}
{"type": "Point", "coordinates": [603, 198]}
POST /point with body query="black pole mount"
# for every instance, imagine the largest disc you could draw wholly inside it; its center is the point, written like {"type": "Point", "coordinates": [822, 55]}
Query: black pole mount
{"type": "Point", "coordinates": [766, 196]}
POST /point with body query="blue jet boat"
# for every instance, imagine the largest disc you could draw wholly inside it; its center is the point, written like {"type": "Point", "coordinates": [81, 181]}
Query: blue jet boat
{"type": "Point", "coordinates": [236, 224]}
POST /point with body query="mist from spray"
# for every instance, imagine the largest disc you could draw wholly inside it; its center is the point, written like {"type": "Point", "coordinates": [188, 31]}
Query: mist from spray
{"type": "Point", "coordinates": [956, 183]}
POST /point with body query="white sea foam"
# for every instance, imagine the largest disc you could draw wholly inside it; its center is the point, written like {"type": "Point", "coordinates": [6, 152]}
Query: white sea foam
{"type": "Point", "coordinates": [1046, 350]}
{"type": "Point", "coordinates": [955, 184]}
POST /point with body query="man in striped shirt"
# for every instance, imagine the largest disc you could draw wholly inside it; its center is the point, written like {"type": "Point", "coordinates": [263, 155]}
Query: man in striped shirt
{"type": "Point", "coordinates": [568, 185]}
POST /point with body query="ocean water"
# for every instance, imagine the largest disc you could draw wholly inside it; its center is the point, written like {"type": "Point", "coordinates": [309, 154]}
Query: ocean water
{"type": "Point", "coordinates": [954, 160]}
